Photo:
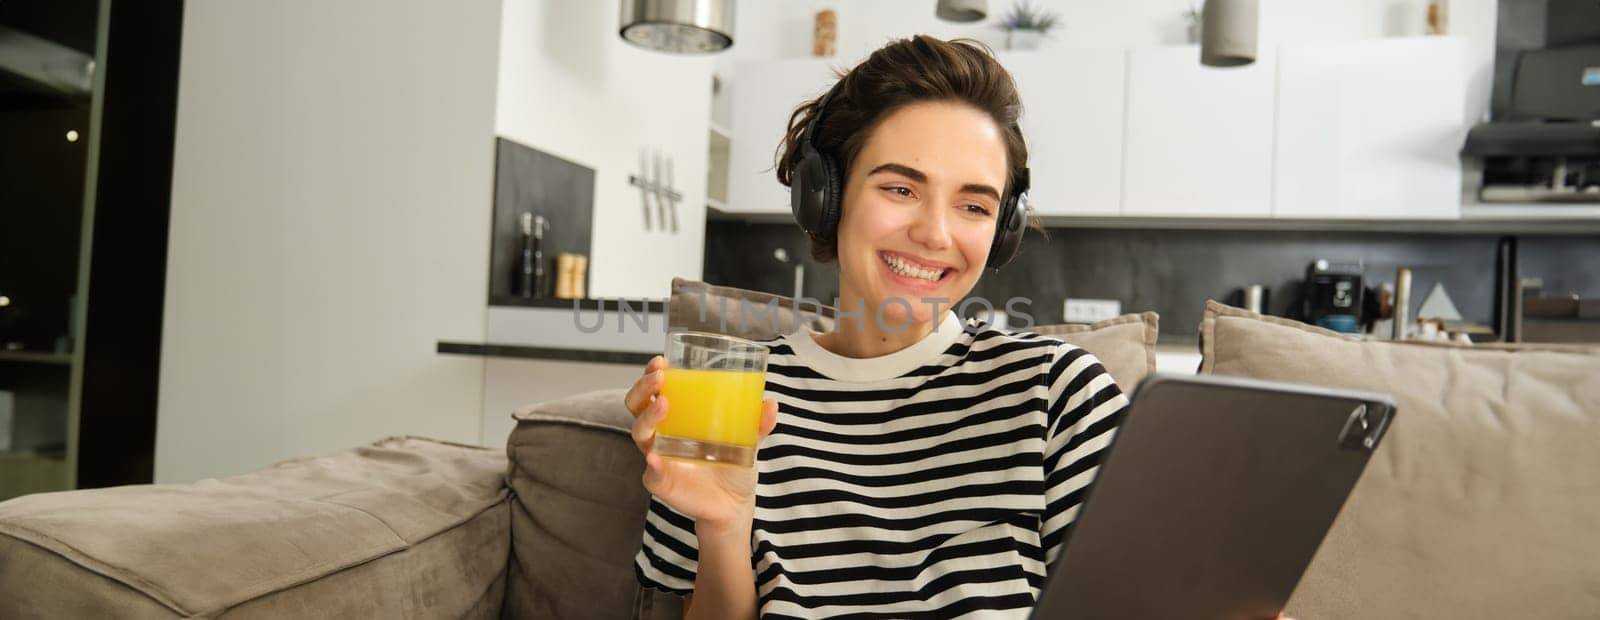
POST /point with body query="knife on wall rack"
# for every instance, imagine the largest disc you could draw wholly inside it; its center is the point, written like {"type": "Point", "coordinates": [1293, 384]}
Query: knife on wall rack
{"type": "Point", "coordinates": [644, 186]}
{"type": "Point", "coordinates": [674, 199]}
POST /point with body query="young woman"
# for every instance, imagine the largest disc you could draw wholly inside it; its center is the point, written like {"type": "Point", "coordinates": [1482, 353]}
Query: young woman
{"type": "Point", "coordinates": [913, 465]}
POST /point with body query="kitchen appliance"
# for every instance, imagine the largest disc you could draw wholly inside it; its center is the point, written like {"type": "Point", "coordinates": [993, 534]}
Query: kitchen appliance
{"type": "Point", "coordinates": [1542, 143]}
{"type": "Point", "coordinates": [1332, 296]}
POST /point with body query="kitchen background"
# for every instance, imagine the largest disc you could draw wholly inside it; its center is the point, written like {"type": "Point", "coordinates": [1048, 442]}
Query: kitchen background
{"type": "Point", "coordinates": [1173, 271]}
{"type": "Point", "coordinates": [340, 209]}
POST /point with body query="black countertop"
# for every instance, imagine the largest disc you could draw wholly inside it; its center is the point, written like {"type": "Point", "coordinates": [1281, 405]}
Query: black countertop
{"type": "Point", "coordinates": [583, 304]}
{"type": "Point", "coordinates": [520, 351]}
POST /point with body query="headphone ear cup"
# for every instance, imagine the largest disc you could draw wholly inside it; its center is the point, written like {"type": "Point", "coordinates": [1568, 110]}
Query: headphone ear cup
{"type": "Point", "coordinates": [1007, 233]}
{"type": "Point", "coordinates": [807, 188]}
{"type": "Point", "coordinates": [833, 195]}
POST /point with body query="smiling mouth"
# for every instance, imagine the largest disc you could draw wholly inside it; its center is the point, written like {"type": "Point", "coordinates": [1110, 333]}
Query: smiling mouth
{"type": "Point", "coordinates": [905, 268]}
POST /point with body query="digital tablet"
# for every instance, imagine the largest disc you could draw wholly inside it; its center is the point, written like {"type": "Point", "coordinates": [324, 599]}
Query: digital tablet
{"type": "Point", "coordinates": [1212, 499]}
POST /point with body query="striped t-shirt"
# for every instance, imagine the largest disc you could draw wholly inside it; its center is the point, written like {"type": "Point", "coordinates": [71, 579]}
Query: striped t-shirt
{"type": "Point", "coordinates": [937, 480]}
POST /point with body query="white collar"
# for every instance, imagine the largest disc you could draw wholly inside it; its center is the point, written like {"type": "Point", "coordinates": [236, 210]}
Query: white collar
{"type": "Point", "coordinates": [863, 369]}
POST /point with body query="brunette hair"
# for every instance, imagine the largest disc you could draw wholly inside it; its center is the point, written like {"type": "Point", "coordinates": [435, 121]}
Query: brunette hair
{"type": "Point", "coordinates": [906, 71]}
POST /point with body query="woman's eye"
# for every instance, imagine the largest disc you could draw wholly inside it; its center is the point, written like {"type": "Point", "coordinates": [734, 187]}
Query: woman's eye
{"type": "Point", "coordinates": [977, 209]}
{"type": "Point", "coordinates": [904, 192]}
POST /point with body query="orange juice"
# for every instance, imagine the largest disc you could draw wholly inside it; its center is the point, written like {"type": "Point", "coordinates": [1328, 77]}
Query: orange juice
{"type": "Point", "coordinates": [722, 406]}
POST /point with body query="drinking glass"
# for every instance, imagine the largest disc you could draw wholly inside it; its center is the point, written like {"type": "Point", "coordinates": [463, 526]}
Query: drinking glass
{"type": "Point", "coordinates": [714, 385]}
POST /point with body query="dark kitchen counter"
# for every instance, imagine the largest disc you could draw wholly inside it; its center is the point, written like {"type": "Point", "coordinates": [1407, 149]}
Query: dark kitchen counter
{"type": "Point", "coordinates": [486, 349]}
{"type": "Point", "coordinates": [582, 304]}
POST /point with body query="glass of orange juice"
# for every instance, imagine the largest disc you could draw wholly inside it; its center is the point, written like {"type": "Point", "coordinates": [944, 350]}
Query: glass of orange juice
{"type": "Point", "coordinates": [713, 387]}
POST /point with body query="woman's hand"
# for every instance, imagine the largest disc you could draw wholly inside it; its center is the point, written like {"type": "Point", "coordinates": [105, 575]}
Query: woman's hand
{"type": "Point", "coordinates": [720, 498]}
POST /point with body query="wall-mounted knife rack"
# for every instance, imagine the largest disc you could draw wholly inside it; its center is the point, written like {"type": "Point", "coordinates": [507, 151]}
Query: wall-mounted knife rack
{"type": "Point", "coordinates": [651, 182]}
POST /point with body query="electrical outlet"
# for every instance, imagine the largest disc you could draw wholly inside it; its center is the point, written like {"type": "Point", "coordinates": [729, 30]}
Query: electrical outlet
{"type": "Point", "coordinates": [1090, 310]}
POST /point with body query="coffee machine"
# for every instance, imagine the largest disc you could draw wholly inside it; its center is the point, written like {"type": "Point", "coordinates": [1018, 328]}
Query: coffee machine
{"type": "Point", "coordinates": [1333, 295]}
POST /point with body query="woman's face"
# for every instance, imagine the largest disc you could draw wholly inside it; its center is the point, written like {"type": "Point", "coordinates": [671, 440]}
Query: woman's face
{"type": "Point", "coordinates": [920, 206]}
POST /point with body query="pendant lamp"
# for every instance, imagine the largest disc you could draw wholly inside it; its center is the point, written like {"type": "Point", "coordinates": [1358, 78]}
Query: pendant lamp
{"type": "Point", "coordinates": [678, 26]}
{"type": "Point", "coordinates": [1228, 32]}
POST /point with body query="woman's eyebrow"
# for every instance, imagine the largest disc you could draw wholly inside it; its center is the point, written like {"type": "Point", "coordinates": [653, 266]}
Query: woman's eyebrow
{"type": "Point", "coordinates": [978, 188]}
{"type": "Point", "coordinates": [902, 170]}
{"type": "Point", "coordinates": [918, 176]}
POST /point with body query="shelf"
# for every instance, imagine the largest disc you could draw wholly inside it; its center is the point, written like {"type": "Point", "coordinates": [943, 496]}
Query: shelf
{"type": "Point", "coordinates": [717, 204]}
{"type": "Point", "coordinates": [33, 456]}
{"type": "Point", "coordinates": [36, 357]}
{"type": "Point", "coordinates": [1519, 212]}
{"type": "Point", "coordinates": [648, 305]}
{"type": "Point", "coordinates": [719, 130]}
{"type": "Point", "coordinates": [518, 351]}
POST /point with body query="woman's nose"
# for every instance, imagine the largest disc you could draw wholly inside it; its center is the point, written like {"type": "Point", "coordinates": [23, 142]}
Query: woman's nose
{"type": "Point", "coordinates": [930, 229]}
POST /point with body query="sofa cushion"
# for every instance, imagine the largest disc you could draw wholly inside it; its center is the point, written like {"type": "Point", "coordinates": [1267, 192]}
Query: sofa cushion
{"type": "Point", "coordinates": [1484, 499]}
{"type": "Point", "coordinates": [1126, 345]}
{"type": "Point", "coordinates": [748, 314]}
{"type": "Point", "coordinates": [579, 509]}
{"type": "Point", "coordinates": [403, 527]}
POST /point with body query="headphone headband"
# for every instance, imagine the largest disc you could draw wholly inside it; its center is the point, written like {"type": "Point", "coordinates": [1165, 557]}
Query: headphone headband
{"type": "Point", "coordinates": [809, 140]}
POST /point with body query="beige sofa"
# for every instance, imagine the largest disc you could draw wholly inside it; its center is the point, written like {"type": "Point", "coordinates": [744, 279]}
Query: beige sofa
{"type": "Point", "coordinates": [1483, 502]}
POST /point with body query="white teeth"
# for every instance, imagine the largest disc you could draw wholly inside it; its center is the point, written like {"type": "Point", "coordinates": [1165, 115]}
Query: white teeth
{"type": "Point", "coordinates": [901, 267]}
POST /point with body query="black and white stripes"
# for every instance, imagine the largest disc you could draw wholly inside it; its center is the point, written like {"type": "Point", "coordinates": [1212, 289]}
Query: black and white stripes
{"type": "Point", "coordinates": [938, 479]}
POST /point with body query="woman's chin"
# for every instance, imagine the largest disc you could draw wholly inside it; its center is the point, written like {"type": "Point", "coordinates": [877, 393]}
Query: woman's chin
{"type": "Point", "coordinates": [895, 317]}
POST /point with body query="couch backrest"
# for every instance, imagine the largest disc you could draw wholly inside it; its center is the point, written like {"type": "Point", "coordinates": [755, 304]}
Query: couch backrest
{"type": "Point", "coordinates": [378, 531]}
{"type": "Point", "coordinates": [1484, 499]}
{"type": "Point", "coordinates": [1125, 345]}
{"type": "Point", "coordinates": [579, 510]}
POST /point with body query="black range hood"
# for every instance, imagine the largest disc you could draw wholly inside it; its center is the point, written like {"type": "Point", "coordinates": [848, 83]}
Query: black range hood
{"type": "Point", "coordinates": [1545, 146]}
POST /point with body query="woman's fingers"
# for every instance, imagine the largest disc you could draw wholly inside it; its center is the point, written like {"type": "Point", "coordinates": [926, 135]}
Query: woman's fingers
{"type": "Point", "coordinates": [638, 396]}
{"type": "Point", "coordinates": [769, 418]}
{"type": "Point", "coordinates": [655, 479]}
{"type": "Point", "coordinates": [644, 425]}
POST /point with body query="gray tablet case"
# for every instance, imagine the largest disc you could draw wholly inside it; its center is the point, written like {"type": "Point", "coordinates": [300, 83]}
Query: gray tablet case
{"type": "Point", "coordinates": [1212, 499]}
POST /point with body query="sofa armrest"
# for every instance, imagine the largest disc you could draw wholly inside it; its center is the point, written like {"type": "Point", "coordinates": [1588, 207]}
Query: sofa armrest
{"type": "Point", "coordinates": [578, 513]}
{"type": "Point", "coordinates": [385, 530]}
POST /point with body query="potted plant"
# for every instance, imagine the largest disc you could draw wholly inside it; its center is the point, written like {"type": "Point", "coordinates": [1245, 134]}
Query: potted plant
{"type": "Point", "coordinates": [1026, 25]}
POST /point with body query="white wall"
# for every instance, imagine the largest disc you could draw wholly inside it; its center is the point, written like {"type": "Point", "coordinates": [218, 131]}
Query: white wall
{"type": "Point", "coordinates": [330, 218]}
{"type": "Point", "coordinates": [568, 85]}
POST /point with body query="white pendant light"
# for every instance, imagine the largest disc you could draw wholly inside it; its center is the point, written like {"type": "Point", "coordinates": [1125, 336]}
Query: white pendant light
{"type": "Point", "coordinates": [1228, 32]}
{"type": "Point", "coordinates": [962, 10]}
{"type": "Point", "coordinates": [678, 26]}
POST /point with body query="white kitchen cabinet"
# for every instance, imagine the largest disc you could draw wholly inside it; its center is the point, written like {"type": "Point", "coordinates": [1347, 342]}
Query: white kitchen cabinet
{"type": "Point", "coordinates": [1198, 139]}
{"type": "Point", "coordinates": [1362, 130]}
{"type": "Point", "coordinates": [764, 95]}
{"type": "Point", "coordinates": [1371, 129]}
{"type": "Point", "coordinates": [1072, 119]}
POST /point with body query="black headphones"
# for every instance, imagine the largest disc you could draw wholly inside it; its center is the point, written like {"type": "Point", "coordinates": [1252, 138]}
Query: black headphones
{"type": "Point", "coordinates": [815, 194]}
